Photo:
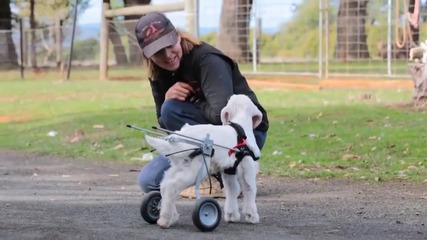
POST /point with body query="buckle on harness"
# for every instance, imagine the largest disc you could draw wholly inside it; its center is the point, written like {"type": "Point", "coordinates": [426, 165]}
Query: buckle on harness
{"type": "Point", "coordinates": [239, 146]}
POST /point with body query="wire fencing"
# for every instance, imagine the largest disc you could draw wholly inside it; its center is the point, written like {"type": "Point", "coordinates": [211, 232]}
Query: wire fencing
{"type": "Point", "coordinates": [313, 37]}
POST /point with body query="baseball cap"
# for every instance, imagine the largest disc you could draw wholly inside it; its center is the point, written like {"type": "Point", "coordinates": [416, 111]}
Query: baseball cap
{"type": "Point", "coordinates": [154, 31]}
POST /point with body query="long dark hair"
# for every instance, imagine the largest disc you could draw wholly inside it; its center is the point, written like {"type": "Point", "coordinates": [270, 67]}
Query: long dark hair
{"type": "Point", "coordinates": [188, 42]}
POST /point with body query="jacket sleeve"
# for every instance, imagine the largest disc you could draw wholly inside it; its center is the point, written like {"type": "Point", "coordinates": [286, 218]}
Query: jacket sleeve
{"type": "Point", "coordinates": [216, 83]}
{"type": "Point", "coordinates": [159, 98]}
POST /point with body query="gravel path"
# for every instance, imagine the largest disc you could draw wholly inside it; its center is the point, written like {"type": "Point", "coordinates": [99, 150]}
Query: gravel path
{"type": "Point", "coordinates": [47, 197]}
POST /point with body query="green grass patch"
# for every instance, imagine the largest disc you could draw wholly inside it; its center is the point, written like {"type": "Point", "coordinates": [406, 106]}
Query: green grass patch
{"type": "Point", "coordinates": [313, 134]}
{"type": "Point", "coordinates": [356, 67]}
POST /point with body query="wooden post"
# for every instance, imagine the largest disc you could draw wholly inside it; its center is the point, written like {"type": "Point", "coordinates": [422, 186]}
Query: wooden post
{"type": "Point", "coordinates": [320, 59]}
{"type": "Point", "coordinates": [191, 12]}
{"type": "Point", "coordinates": [140, 10]}
{"type": "Point", "coordinates": [59, 54]}
{"type": "Point", "coordinates": [25, 40]}
{"type": "Point", "coordinates": [58, 38]}
{"type": "Point", "coordinates": [327, 27]}
{"type": "Point", "coordinates": [103, 44]}
{"type": "Point", "coordinates": [419, 76]}
{"type": "Point", "coordinates": [21, 45]}
{"type": "Point", "coordinates": [72, 40]}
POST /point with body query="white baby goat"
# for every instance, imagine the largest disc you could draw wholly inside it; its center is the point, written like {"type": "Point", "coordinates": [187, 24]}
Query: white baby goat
{"type": "Point", "coordinates": [184, 171]}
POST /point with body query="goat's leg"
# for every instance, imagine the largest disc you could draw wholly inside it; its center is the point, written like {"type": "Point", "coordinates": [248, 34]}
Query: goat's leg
{"type": "Point", "coordinates": [232, 190]}
{"type": "Point", "coordinates": [168, 212]}
{"type": "Point", "coordinates": [246, 174]}
{"type": "Point", "coordinates": [175, 180]}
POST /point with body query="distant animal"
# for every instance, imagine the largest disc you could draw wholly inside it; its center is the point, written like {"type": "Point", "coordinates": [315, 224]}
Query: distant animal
{"type": "Point", "coordinates": [419, 54]}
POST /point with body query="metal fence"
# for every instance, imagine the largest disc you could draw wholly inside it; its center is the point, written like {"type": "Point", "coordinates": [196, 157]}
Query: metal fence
{"type": "Point", "coordinates": [285, 37]}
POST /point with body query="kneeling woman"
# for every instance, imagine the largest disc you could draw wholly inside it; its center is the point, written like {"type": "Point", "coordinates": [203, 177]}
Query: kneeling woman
{"type": "Point", "coordinates": [191, 82]}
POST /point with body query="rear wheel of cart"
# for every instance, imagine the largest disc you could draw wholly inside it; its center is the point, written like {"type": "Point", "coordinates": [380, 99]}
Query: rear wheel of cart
{"type": "Point", "coordinates": [150, 207]}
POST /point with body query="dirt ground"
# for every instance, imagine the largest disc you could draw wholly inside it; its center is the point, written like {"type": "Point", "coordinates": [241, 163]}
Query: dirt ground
{"type": "Point", "coordinates": [48, 197]}
{"type": "Point", "coordinates": [305, 83]}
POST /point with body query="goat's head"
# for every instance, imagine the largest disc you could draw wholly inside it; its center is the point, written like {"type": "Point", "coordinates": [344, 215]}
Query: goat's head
{"type": "Point", "coordinates": [239, 104]}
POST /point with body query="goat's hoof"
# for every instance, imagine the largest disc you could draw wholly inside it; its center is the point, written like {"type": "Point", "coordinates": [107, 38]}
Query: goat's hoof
{"type": "Point", "coordinates": [232, 217]}
{"type": "Point", "coordinates": [163, 222]}
{"type": "Point", "coordinates": [252, 218]}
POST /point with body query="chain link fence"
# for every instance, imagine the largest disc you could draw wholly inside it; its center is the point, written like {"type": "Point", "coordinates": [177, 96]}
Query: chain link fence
{"type": "Point", "coordinates": [312, 37]}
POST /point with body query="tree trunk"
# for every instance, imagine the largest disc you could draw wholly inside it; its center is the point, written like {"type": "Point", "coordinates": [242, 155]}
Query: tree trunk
{"type": "Point", "coordinates": [114, 36]}
{"type": "Point", "coordinates": [119, 50]}
{"type": "Point", "coordinates": [419, 76]}
{"type": "Point", "coordinates": [234, 29]}
{"type": "Point", "coordinates": [351, 34]}
{"type": "Point", "coordinates": [135, 54]}
{"type": "Point", "coordinates": [8, 56]}
{"type": "Point", "coordinates": [415, 31]}
{"type": "Point", "coordinates": [33, 54]}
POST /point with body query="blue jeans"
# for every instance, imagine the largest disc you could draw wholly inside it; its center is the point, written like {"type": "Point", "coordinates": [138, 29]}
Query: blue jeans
{"type": "Point", "coordinates": [174, 114]}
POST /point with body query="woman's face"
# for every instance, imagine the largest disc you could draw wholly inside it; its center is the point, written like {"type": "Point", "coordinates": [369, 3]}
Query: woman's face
{"type": "Point", "coordinates": [169, 58]}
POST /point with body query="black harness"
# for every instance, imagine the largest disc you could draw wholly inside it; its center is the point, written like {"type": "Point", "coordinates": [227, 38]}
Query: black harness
{"type": "Point", "coordinates": [242, 150]}
{"type": "Point", "coordinates": [242, 147]}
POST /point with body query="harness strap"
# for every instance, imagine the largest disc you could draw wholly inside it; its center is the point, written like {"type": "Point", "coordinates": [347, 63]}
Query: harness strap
{"type": "Point", "coordinates": [241, 146]}
{"type": "Point", "coordinates": [199, 151]}
{"type": "Point", "coordinates": [243, 149]}
{"type": "Point", "coordinates": [240, 132]}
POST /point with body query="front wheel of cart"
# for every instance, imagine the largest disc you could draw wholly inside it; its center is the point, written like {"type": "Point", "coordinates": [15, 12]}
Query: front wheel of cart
{"type": "Point", "coordinates": [206, 214]}
{"type": "Point", "coordinates": [150, 207]}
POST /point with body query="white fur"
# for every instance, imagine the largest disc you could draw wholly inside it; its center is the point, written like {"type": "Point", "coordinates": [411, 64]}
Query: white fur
{"type": "Point", "coordinates": [183, 171]}
{"type": "Point", "coordinates": [419, 54]}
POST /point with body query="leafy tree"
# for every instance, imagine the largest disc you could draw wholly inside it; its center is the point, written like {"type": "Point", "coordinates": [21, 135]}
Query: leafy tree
{"type": "Point", "coordinates": [297, 37]}
{"type": "Point", "coordinates": [44, 14]}
{"type": "Point", "coordinates": [209, 38]}
{"type": "Point", "coordinates": [85, 49]}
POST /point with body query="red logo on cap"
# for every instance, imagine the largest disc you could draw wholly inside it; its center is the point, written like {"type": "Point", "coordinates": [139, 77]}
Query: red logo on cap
{"type": "Point", "coordinates": [151, 31]}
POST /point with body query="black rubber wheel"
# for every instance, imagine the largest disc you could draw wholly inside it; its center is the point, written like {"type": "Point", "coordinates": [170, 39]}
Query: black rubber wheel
{"type": "Point", "coordinates": [206, 214]}
{"type": "Point", "coordinates": [150, 207]}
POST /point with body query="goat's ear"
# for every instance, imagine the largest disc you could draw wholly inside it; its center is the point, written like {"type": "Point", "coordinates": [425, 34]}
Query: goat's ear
{"type": "Point", "coordinates": [225, 115]}
{"type": "Point", "coordinates": [162, 146]}
{"type": "Point", "coordinates": [256, 117]}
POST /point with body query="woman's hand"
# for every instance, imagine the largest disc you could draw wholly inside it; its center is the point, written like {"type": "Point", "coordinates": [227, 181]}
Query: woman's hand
{"type": "Point", "coordinates": [179, 91]}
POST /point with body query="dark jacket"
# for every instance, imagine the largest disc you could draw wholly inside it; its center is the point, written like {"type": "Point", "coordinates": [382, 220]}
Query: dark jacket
{"type": "Point", "coordinates": [209, 71]}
